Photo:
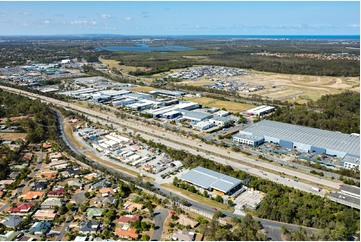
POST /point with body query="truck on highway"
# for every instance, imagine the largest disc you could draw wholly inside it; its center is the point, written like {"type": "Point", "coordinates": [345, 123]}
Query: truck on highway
{"type": "Point", "coordinates": [317, 189]}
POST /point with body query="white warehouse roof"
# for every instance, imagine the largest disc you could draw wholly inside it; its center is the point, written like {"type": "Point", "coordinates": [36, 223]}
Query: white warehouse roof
{"type": "Point", "coordinates": [207, 179]}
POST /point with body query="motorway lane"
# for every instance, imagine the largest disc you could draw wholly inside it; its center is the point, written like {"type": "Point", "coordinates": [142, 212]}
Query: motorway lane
{"type": "Point", "coordinates": [189, 142]}
{"type": "Point", "coordinates": [179, 139]}
{"type": "Point", "coordinates": [159, 217]}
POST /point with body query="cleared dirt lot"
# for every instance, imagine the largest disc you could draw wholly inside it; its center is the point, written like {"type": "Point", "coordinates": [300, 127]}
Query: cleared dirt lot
{"type": "Point", "coordinates": [12, 136]}
{"type": "Point", "coordinates": [288, 87]}
{"type": "Point", "coordinates": [115, 64]}
{"type": "Point", "coordinates": [211, 102]}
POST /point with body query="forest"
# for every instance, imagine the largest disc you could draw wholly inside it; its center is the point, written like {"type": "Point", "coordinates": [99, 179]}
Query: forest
{"type": "Point", "coordinates": [339, 112]}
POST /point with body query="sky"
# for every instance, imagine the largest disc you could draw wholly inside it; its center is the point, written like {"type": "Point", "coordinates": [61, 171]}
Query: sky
{"type": "Point", "coordinates": [180, 18]}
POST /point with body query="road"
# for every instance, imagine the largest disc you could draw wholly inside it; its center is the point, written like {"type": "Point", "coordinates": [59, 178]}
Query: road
{"type": "Point", "coordinates": [4, 207]}
{"type": "Point", "coordinates": [220, 155]}
{"type": "Point", "coordinates": [159, 217]}
{"type": "Point", "coordinates": [63, 230]}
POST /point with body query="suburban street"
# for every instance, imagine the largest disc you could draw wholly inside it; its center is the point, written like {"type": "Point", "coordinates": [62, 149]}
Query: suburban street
{"type": "Point", "coordinates": [159, 217]}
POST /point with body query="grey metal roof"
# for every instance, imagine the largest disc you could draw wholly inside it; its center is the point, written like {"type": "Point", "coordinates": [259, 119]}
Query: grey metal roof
{"type": "Point", "coordinates": [210, 179]}
{"type": "Point", "coordinates": [248, 137]}
{"type": "Point", "coordinates": [306, 135]}
{"type": "Point", "coordinates": [351, 159]}
{"type": "Point", "coordinates": [195, 115]}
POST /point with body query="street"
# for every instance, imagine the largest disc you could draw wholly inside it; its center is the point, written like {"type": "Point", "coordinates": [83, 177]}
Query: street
{"type": "Point", "coordinates": [159, 217]}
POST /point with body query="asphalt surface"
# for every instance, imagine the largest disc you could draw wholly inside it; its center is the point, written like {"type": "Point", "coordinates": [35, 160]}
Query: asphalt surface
{"type": "Point", "coordinates": [176, 141]}
{"type": "Point", "coordinates": [159, 217]}
{"type": "Point", "coordinates": [5, 206]}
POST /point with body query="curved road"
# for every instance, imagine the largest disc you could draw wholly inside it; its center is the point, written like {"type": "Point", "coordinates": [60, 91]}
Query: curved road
{"type": "Point", "coordinates": [159, 217]}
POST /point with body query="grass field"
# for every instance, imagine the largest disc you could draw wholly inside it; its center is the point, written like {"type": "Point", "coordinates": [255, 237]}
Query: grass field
{"type": "Point", "coordinates": [200, 199]}
{"type": "Point", "coordinates": [211, 102]}
{"type": "Point", "coordinates": [69, 131]}
{"type": "Point", "coordinates": [142, 89]}
{"type": "Point", "coordinates": [12, 136]}
{"type": "Point", "coordinates": [115, 64]}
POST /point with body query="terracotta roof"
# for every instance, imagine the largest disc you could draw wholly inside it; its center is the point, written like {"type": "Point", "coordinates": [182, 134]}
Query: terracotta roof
{"type": "Point", "coordinates": [57, 192]}
{"type": "Point", "coordinates": [107, 189]}
{"type": "Point", "coordinates": [128, 219]}
{"type": "Point", "coordinates": [33, 195]}
{"type": "Point", "coordinates": [21, 206]}
{"type": "Point", "coordinates": [45, 214]}
{"type": "Point", "coordinates": [131, 232]}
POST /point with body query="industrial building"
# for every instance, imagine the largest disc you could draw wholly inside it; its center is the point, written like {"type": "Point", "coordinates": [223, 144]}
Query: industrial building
{"type": "Point", "coordinates": [167, 93]}
{"type": "Point", "coordinates": [195, 116]}
{"type": "Point", "coordinates": [138, 96]}
{"type": "Point", "coordinates": [203, 125]}
{"type": "Point", "coordinates": [221, 120]}
{"type": "Point", "coordinates": [260, 111]}
{"type": "Point", "coordinates": [248, 139]}
{"type": "Point", "coordinates": [306, 139]}
{"type": "Point", "coordinates": [212, 181]}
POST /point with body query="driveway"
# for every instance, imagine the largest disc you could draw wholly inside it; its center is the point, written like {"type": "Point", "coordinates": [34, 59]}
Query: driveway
{"type": "Point", "coordinates": [159, 217]}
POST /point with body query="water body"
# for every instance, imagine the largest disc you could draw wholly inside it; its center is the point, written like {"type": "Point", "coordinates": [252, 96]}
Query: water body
{"type": "Point", "coordinates": [145, 48]}
{"type": "Point", "coordinates": [275, 37]}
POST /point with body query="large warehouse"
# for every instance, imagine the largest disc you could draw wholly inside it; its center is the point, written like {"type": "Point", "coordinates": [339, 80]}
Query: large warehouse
{"type": "Point", "coordinates": [305, 138]}
{"type": "Point", "coordinates": [211, 180]}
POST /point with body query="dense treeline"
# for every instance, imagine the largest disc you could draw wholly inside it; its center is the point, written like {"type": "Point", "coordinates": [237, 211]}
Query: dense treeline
{"type": "Point", "coordinates": [339, 112]}
{"type": "Point", "coordinates": [245, 229]}
{"type": "Point", "coordinates": [283, 203]}
{"type": "Point", "coordinates": [42, 123]}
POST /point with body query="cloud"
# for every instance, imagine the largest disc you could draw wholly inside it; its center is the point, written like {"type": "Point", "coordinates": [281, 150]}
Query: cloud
{"type": "Point", "coordinates": [46, 21]}
{"type": "Point", "coordinates": [128, 18]}
{"type": "Point", "coordinates": [83, 22]}
{"type": "Point", "coordinates": [105, 16]}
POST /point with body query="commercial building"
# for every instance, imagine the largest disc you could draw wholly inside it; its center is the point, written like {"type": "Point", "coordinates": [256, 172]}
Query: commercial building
{"type": "Point", "coordinates": [306, 139]}
{"type": "Point", "coordinates": [203, 125]}
{"type": "Point", "coordinates": [167, 93]}
{"type": "Point", "coordinates": [350, 162]}
{"type": "Point", "coordinates": [138, 95]}
{"type": "Point", "coordinates": [221, 120]}
{"type": "Point", "coordinates": [259, 111]}
{"type": "Point", "coordinates": [248, 139]}
{"type": "Point", "coordinates": [195, 116]}
{"type": "Point", "coordinates": [211, 180]}
{"type": "Point", "coordinates": [171, 114]}
{"type": "Point", "coordinates": [221, 113]}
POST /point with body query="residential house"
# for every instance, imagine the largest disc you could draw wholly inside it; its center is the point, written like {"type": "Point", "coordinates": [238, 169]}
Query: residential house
{"type": "Point", "coordinates": [48, 175]}
{"type": "Point", "coordinates": [21, 208]}
{"type": "Point", "coordinates": [28, 156]}
{"type": "Point", "coordinates": [78, 197]}
{"type": "Point", "coordinates": [39, 185]}
{"type": "Point", "coordinates": [131, 206]}
{"type": "Point", "coordinates": [58, 192]}
{"type": "Point", "coordinates": [9, 235]}
{"type": "Point", "coordinates": [39, 228]}
{"type": "Point", "coordinates": [105, 201]}
{"type": "Point", "coordinates": [80, 239]}
{"type": "Point", "coordinates": [55, 155]}
{"type": "Point", "coordinates": [183, 236]}
{"type": "Point", "coordinates": [94, 212]}
{"type": "Point", "coordinates": [75, 183]}
{"type": "Point", "coordinates": [12, 221]}
{"type": "Point", "coordinates": [100, 184]}
{"type": "Point", "coordinates": [6, 182]}
{"type": "Point", "coordinates": [58, 165]}
{"type": "Point", "coordinates": [46, 214]}
{"type": "Point", "coordinates": [186, 221]}
{"type": "Point", "coordinates": [51, 202]}
{"type": "Point", "coordinates": [106, 191]}
{"type": "Point", "coordinates": [46, 145]}
{"type": "Point", "coordinates": [127, 219]}
{"type": "Point", "coordinates": [89, 227]}
{"type": "Point", "coordinates": [128, 233]}
{"type": "Point", "coordinates": [91, 176]}
{"type": "Point", "coordinates": [71, 172]}
{"type": "Point", "coordinates": [33, 195]}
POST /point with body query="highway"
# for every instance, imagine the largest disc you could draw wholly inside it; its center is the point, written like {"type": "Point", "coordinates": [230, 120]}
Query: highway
{"type": "Point", "coordinates": [220, 155]}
